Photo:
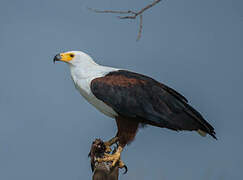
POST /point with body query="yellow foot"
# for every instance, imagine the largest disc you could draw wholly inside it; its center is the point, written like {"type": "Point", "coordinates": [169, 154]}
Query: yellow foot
{"type": "Point", "coordinates": [114, 158]}
{"type": "Point", "coordinates": [107, 147]}
{"type": "Point", "coordinates": [109, 143]}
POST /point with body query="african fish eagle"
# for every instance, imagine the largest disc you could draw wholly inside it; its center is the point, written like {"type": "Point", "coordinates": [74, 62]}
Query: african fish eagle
{"type": "Point", "coordinates": [132, 99]}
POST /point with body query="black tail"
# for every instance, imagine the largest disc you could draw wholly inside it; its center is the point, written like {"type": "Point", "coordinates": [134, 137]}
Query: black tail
{"type": "Point", "coordinates": [205, 126]}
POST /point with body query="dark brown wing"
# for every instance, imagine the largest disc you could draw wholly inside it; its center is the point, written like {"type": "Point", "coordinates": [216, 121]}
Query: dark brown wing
{"type": "Point", "coordinates": [137, 96]}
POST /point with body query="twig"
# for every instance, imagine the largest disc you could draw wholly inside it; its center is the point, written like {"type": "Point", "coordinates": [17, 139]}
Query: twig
{"type": "Point", "coordinates": [131, 15]}
{"type": "Point", "coordinates": [111, 11]}
{"type": "Point", "coordinates": [140, 27]}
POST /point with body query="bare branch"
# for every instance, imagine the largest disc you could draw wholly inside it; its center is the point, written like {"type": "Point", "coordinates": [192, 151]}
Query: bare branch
{"type": "Point", "coordinates": [140, 27]}
{"type": "Point", "coordinates": [130, 15]}
{"type": "Point", "coordinates": [112, 11]}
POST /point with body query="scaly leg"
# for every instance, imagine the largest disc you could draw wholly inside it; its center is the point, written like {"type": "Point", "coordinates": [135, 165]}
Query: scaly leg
{"type": "Point", "coordinates": [114, 158]}
{"type": "Point", "coordinates": [109, 143]}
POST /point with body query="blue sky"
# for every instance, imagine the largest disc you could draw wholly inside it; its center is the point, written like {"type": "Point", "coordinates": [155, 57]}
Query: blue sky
{"type": "Point", "coordinates": [46, 127]}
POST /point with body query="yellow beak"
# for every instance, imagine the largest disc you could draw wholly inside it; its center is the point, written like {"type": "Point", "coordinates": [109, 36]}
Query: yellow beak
{"type": "Point", "coordinates": [65, 57]}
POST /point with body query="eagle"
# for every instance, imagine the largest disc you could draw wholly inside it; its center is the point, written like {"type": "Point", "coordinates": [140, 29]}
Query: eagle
{"type": "Point", "coordinates": [132, 99]}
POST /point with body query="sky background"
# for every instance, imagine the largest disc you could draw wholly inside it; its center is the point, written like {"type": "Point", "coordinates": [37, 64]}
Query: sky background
{"type": "Point", "coordinates": [46, 127]}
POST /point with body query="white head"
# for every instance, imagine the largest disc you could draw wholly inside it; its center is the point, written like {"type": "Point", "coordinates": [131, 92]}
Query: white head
{"type": "Point", "coordinates": [75, 58]}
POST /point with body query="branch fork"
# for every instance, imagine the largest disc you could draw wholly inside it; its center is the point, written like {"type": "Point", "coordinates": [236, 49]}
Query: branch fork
{"type": "Point", "coordinates": [130, 15]}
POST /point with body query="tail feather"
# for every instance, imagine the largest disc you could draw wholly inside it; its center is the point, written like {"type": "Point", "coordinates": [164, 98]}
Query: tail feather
{"type": "Point", "coordinates": [206, 127]}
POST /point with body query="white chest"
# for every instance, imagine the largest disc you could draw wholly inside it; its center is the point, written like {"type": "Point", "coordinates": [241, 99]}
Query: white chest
{"type": "Point", "coordinates": [83, 86]}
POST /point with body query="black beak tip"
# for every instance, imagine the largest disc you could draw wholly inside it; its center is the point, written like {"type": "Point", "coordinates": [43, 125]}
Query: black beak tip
{"type": "Point", "coordinates": [57, 58]}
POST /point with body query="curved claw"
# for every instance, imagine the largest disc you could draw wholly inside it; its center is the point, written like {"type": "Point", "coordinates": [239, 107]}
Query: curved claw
{"type": "Point", "coordinates": [122, 165]}
{"type": "Point", "coordinates": [126, 169]}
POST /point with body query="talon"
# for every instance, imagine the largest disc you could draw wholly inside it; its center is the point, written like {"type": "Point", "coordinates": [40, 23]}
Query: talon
{"type": "Point", "coordinates": [126, 169]}
{"type": "Point", "coordinates": [122, 165]}
{"type": "Point", "coordinates": [114, 158]}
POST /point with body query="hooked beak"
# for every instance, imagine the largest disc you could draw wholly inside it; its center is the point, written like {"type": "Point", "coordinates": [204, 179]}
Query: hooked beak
{"type": "Point", "coordinates": [57, 58]}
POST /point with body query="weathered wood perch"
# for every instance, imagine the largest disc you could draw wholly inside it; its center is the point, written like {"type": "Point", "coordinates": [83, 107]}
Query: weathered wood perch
{"type": "Point", "coordinates": [102, 171]}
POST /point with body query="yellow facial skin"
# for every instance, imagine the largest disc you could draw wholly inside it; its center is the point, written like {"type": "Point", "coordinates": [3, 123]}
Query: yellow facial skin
{"type": "Point", "coordinates": [66, 57]}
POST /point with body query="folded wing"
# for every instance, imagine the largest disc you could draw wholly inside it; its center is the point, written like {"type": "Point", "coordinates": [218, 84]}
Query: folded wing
{"type": "Point", "coordinates": [146, 100]}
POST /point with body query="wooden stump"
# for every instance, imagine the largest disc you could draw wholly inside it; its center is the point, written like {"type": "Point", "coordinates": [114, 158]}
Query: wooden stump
{"type": "Point", "coordinates": [101, 171]}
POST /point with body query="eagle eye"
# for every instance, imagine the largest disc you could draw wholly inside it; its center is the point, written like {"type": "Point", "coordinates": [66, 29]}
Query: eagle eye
{"type": "Point", "coordinates": [71, 55]}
